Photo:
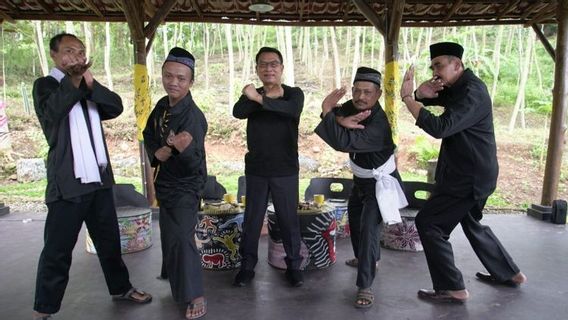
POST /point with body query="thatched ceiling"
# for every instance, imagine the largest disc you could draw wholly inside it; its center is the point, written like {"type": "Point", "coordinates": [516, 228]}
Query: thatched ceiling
{"type": "Point", "coordinates": [301, 12]}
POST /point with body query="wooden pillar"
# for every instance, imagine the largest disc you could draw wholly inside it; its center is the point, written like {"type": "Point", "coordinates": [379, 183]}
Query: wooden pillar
{"type": "Point", "coordinates": [389, 27]}
{"type": "Point", "coordinates": [134, 12]}
{"type": "Point", "coordinates": [559, 110]}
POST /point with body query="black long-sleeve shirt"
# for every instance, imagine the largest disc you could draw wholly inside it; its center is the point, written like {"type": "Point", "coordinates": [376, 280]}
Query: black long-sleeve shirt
{"type": "Point", "coordinates": [272, 132]}
{"type": "Point", "coordinates": [186, 172]}
{"type": "Point", "coordinates": [467, 163]}
{"type": "Point", "coordinates": [53, 101]}
{"type": "Point", "coordinates": [370, 147]}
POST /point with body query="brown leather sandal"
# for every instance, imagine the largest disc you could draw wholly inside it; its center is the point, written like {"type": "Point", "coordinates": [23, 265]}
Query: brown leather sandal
{"type": "Point", "coordinates": [134, 295]}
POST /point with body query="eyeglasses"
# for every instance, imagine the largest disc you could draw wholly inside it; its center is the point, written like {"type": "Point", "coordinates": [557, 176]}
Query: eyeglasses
{"type": "Point", "coordinates": [265, 65]}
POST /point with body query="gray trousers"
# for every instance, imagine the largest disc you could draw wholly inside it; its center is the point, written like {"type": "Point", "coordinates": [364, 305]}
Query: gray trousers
{"type": "Point", "coordinates": [364, 220]}
{"type": "Point", "coordinates": [284, 192]}
{"type": "Point", "coordinates": [440, 215]}
{"type": "Point", "coordinates": [181, 256]}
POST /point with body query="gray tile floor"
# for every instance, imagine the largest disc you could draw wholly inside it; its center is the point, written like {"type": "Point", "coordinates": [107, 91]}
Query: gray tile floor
{"type": "Point", "coordinates": [539, 248]}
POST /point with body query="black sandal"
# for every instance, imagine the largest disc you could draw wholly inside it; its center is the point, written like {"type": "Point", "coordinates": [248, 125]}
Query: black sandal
{"type": "Point", "coordinates": [129, 296]}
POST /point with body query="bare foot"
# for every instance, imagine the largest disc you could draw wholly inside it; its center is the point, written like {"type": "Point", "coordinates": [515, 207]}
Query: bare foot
{"type": "Point", "coordinates": [459, 294]}
{"type": "Point", "coordinates": [196, 309]}
{"type": "Point", "coordinates": [41, 316]}
{"type": "Point", "coordinates": [519, 278]}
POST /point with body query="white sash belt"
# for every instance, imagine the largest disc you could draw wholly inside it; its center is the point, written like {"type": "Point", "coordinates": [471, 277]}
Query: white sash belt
{"type": "Point", "coordinates": [388, 191]}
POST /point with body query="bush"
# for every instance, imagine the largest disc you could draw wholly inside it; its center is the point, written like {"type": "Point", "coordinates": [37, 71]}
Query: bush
{"type": "Point", "coordinates": [424, 150]}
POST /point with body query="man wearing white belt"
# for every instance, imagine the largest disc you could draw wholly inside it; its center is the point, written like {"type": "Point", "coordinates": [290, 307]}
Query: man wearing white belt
{"type": "Point", "coordinates": [360, 127]}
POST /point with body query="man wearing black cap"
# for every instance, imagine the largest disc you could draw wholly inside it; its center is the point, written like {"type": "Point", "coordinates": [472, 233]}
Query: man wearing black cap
{"type": "Point", "coordinates": [174, 138]}
{"type": "Point", "coordinates": [465, 176]}
{"type": "Point", "coordinates": [271, 164]}
{"type": "Point", "coordinates": [360, 127]}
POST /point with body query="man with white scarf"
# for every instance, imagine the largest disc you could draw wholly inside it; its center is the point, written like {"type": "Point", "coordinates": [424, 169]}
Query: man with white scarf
{"type": "Point", "coordinates": [360, 127]}
{"type": "Point", "coordinates": [70, 105]}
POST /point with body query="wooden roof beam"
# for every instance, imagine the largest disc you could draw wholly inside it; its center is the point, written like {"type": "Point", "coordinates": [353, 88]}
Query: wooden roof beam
{"type": "Point", "coordinates": [507, 9]}
{"type": "Point", "coordinates": [45, 6]}
{"type": "Point", "coordinates": [93, 7]}
{"type": "Point", "coordinates": [529, 10]}
{"type": "Point", "coordinates": [368, 12]}
{"type": "Point", "coordinates": [547, 46]}
{"type": "Point", "coordinates": [7, 17]}
{"type": "Point", "coordinates": [395, 19]}
{"type": "Point", "coordinates": [197, 8]}
{"type": "Point", "coordinates": [135, 17]}
{"type": "Point", "coordinates": [453, 10]}
{"type": "Point", "coordinates": [149, 8]}
{"type": "Point", "coordinates": [544, 15]}
{"type": "Point", "coordinates": [159, 17]}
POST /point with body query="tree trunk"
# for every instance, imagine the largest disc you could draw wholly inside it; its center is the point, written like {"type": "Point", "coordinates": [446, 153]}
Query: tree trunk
{"type": "Point", "coordinates": [229, 37]}
{"type": "Point", "coordinates": [88, 40]}
{"type": "Point", "coordinates": [165, 40]}
{"type": "Point", "coordinates": [289, 63]}
{"type": "Point", "coordinates": [107, 56]}
{"type": "Point", "coordinates": [355, 63]}
{"type": "Point", "coordinates": [206, 53]}
{"type": "Point", "coordinates": [336, 66]}
{"type": "Point", "coordinates": [40, 48]}
{"type": "Point", "coordinates": [525, 65]}
{"type": "Point", "coordinates": [496, 61]}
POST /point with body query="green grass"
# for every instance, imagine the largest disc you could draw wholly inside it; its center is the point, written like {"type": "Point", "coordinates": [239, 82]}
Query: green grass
{"type": "Point", "coordinates": [18, 191]}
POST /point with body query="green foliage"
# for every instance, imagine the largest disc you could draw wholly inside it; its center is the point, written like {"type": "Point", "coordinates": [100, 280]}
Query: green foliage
{"type": "Point", "coordinates": [424, 150]}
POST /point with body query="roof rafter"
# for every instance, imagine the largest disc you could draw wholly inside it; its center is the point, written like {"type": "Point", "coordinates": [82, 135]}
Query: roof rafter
{"type": "Point", "coordinates": [159, 17]}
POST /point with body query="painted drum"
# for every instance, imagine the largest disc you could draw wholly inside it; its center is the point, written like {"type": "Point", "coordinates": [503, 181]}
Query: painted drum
{"type": "Point", "coordinates": [135, 226]}
{"type": "Point", "coordinates": [218, 236]}
{"type": "Point", "coordinates": [340, 210]}
{"type": "Point", "coordinates": [402, 236]}
{"type": "Point", "coordinates": [317, 228]}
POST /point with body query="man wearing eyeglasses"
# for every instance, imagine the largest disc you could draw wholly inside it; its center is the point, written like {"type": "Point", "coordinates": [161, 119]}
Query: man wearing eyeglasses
{"type": "Point", "coordinates": [271, 164]}
{"type": "Point", "coordinates": [465, 176]}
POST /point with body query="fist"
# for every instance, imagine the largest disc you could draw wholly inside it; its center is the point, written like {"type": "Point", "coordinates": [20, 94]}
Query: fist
{"type": "Point", "coordinates": [163, 154]}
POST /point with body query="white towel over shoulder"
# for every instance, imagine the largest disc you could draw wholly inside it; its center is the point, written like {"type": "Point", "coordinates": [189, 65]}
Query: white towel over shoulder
{"type": "Point", "coordinates": [86, 162]}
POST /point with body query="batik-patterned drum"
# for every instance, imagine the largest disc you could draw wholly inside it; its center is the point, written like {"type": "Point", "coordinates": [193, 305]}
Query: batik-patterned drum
{"type": "Point", "coordinates": [402, 236]}
{"type": "Point", "coordinates": [340, 210]}
{"type": "Point", "coordinates": [218, 236]}
{"type": "Point", "coordinates": [317, 227]}
{"type": "Point", "coordinates": [135, 225]}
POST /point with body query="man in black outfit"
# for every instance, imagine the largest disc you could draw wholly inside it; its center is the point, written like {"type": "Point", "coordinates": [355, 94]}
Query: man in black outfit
{"type": "Point", "coordinates": [174, 138]}
{"type": "Point", "coordinates": [70, 105]}
{"type": "Point", "coordinates": [465, 176]}
{"type": "Point", "coordinates": [273, 115]}
{"type": "Point", "coordinates": [361, 128]}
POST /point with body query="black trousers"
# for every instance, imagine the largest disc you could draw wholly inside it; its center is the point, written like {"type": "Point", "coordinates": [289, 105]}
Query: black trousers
{"type": "Point", "coordinates": [284, 191]}
{"type": "Point", "coordinates": [364, 219]}
{"type": "Point", "coordinates": [180, 254]}
{"type": "Point", "coordinates": [435, 222]}
{"type": "Point", "coordinates": [62, 227]}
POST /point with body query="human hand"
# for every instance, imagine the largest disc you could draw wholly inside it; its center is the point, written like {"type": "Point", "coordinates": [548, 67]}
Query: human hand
{"type": "Point", "coordinates": [430, 88]}
{"type": "Point", "coordinates": [250, 91]}
{"type": "Point", "coordinates": [332, 99]}
{"type": "Point", "coordinates": [181, 140]}
{"type": "Point", "coordinates": [163, 154]}
{"type": "Point", "coordinates": [352, 122]}
{"type": "Point", "coordinates": [407, 87]}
